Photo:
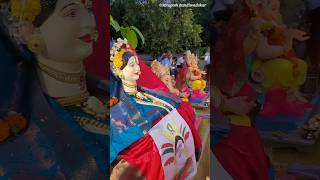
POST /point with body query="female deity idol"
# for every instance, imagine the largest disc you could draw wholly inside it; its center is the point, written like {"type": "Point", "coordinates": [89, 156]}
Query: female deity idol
{"type": "Point", "coordinates": [60, 128]}
{"type": "Point", "coordinates": [152, 132]}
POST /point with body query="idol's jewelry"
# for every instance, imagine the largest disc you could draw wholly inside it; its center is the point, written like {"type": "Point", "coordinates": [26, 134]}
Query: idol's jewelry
{"type": "Point", "coordinates": [121, 75]}
{"type": "Point", "coordinates": [92, 125]}
{"type": "Point", "coordinates": [133, 93]}
{"type": "Point", "coordinates": [146, 99]}
{"type": "Point", "coordinates": [72, 78]}
{"type": "Point", "coordinates": [36, 44]}
{"type": "Point", "coordinates": [76, 100]}
{"type": "Point", "coordinates": [95, 35]}
{"type": "Point", "coordinates": [129, 85]}
{"type": "Point", "coordinates": [96, 108]}
{"type": "Point", "coordinates": [88, 104]}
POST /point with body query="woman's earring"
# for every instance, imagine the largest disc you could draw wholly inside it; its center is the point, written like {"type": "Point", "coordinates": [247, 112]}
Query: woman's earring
{"type": "Point", "coordinates": [121, 75]}
{"type": "Point", "coordinates": [36, 44]}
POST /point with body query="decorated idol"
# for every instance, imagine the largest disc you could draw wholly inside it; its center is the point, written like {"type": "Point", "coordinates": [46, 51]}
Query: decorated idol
{"type": "Point", "coordinates": [163, 73]}
{"type": "Point", "coordinates": [53, 114]}
{"type": "Point", "coordinates": [150, 134]}
{"type": "Point", "coordinates": [195, 76]}
{"type": "Point", "coordinates": [276, 67]}
{"type": "Point", "coordinates": [191, 76]}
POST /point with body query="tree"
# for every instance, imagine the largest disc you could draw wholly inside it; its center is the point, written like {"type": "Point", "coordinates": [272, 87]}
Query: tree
{"type": "Point", "coordinates": [131, 33]}
{"type": "Point", "coordinates": [164, 29]}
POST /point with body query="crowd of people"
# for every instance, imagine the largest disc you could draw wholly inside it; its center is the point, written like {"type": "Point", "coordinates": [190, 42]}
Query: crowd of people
{"type": "Point", "coordinates": [175, 63]}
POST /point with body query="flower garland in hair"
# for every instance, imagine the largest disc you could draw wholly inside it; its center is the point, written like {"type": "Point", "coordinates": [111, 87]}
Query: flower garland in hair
{"type": "Point", "coordinates": [116, 54]}
{"type": "Point", "coordinates": [26, 10]}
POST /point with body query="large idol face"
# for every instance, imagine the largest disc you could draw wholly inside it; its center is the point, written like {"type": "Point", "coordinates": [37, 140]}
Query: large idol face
{"type": "Point", "coordinates": [68, 32]}
{"type": "Point", "coordinates": [131, 72]}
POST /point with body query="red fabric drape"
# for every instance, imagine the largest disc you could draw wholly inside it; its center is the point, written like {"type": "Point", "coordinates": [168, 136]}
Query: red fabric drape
{"type": "Point", "coordinates": [97, 64]}
{"type": "Point", "coordinates": [144, 155]}
{"type": "Point", "coordinates": [150, 80]}
{"type": "Point", "coordinates": [242, 154]}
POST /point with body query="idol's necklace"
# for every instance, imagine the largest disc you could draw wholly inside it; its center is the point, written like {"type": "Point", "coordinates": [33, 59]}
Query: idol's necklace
{"type": "Point", "coordinates": [72, 78]}
{"type": "Point", "coordinates": [76, 100]}
{"type": "Point", "coordinates": [146, 99]}
{"type": "Point", "coordinates": [129, 85]}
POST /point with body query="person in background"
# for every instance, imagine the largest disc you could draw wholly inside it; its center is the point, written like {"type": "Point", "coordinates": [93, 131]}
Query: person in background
{"type": "Point", "coordinates": [167, 60]}
{"type": "Point", "coordinates": [207, 57]}
{"type": "Point", "coordinates": [173, 67]}
{"type": "Point", "coordinates": [180, 61]}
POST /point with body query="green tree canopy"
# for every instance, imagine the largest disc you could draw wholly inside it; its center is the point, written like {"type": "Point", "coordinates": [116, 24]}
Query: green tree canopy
{"type": "Point", "coordinates": [164, 29]}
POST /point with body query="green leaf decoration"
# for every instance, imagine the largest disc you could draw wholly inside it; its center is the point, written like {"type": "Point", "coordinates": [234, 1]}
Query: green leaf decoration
{"type": "Point", "coordinates": [184, 130]}
{"type": "Point", "coordinates": [139, 33]}
{"type": "Point", "coordinates": [114, 24]}
{"type": "Point", "coordinates": [170, 128]}
{"type": "Point", "coordinates": [169, 150]}
{"type": "Point", "coordinates": [130, 35]}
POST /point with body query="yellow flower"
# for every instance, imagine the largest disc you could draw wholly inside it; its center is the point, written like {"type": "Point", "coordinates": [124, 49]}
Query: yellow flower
{"type": "Point", "coordinates": [117, 61]}
{"type": "Point", "coordinates": [26, 9]}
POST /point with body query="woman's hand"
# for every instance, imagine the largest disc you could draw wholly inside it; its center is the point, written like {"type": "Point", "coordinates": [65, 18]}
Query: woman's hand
{"type": "Point", "coordinates": [238, 105]}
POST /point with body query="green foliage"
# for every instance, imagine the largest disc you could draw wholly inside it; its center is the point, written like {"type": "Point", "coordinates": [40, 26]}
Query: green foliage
{"type": "Point", "coordinates": [164, 29]}
{"type": "Point", "coordinates": [114, 24]}
{"type": "Point", "coordinates": [130, 32]}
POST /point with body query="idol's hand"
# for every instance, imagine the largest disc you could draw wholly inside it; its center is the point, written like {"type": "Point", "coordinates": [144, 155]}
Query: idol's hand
{"type": "Point", "coordinates": [299, 35]}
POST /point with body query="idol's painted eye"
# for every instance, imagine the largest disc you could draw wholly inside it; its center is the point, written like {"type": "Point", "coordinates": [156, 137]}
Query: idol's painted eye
{"type": "Point", "coordinates": [70, 13]}
{"type": "Point", "coordinates": [70, 10]}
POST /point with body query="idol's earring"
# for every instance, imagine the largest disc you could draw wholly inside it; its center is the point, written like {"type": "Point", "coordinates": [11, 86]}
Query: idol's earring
{"type": "Point", "coordinates": [121, 75]}
{"type": "Point", "coordinates": [36, 44]}
{"type": "Point", "coordinates": [95, 35]}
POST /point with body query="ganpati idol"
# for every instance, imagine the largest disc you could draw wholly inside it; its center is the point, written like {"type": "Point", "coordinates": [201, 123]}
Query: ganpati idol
{"type": "Point", "coordinates": [53, 115]}
{"type": "Point", "coordinates": [163, 72]}
{"type": "Point", "coordinates": [191, 76]}
{"type": "Point", "coordinates": [276, 67]}
{"type": "Point", "coordinates": [152, 134]}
